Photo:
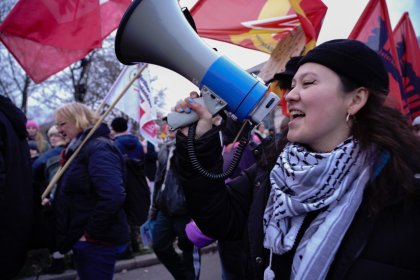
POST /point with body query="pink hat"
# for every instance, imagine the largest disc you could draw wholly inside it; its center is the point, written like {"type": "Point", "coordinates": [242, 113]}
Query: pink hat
{"type": "Point", "coordinates": [32, 123]}
{"type": "Point", "coordinates": [195, 235]}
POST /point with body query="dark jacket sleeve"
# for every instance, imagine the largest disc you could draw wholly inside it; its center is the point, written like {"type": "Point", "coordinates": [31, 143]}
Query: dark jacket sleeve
{"type": "Point", "coordinates": [105, 168]}
{"type": "Point", "coordinates": [219, 210]}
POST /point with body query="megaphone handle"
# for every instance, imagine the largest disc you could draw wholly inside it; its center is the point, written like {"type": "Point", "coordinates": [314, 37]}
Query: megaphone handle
{"type": "Point", "coordinates": [213, 103]}
{"type": "Point", "coordinates": [177, 120]}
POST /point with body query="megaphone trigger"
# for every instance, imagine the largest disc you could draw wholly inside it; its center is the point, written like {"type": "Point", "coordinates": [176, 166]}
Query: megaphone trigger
{"type": "Point", "coordinates": [208, 98]}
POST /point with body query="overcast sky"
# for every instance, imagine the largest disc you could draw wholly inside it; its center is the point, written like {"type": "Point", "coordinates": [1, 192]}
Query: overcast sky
{"type": "Point", "coordinates": [341, 16]}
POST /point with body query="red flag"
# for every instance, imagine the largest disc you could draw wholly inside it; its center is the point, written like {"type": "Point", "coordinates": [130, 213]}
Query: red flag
{"type": "Point", "coordinates": [409, 56]}
{"type": "Point", "coordinates": [374, 29]}
{"type": "Point", "coordinates": [258, 24]}
{"type": "Point", "coordinates": [47, 36]}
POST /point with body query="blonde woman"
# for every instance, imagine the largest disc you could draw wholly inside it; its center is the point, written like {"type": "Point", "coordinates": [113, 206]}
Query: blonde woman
{"type": "Point", "coordinates": [89, 199]}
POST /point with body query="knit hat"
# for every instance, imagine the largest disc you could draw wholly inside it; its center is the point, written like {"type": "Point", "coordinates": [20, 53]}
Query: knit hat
{"type": "Point", "coordinates": [32, 123]}
{"type": "Point", "coordinates": [119, 124]}
{"type": "Point", "coordinates": [353, 60]}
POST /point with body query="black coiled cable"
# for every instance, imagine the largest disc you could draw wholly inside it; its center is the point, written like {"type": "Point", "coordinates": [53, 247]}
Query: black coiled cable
{"type": "Point", "coordinates": [197, 166]}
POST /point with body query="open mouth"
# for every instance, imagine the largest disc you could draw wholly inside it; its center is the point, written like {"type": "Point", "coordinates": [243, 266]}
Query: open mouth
{"type": "Point", "coordinates": [294, 114]}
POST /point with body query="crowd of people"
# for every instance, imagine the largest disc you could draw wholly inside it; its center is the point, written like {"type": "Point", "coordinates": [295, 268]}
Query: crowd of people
{"type": "Point", "coordinates": [332, 193]}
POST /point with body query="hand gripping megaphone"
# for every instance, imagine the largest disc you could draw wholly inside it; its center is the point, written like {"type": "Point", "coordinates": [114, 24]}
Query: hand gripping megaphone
{"type": "Point", "coordinates": [157, 32]}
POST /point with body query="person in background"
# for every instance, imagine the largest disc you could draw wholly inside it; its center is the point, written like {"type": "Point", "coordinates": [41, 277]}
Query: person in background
{"type": "Point", "coordinates": [284, 127]}
{"type": "Point", "coordinates": [170, 213]}
{"type": "Point", "coordinates": [32, 127]}
{"type": "Point", "coordinates": [341, 199]}
{"type": "Point", "coordinates": [281, 84]}
{"type": "Point", "coordinates": [416, 126]}
{"type": "Point", "coordinates": [272, 132]}
{"type": "Point", "coordinates": [130, 146]}
{"type": "Point", "coordinates": [150, 163]}
{"type": "Point", "coordinates": [259, 134]}
{"type": "Point", "coordinates": [33, 150]}
{"type": "Point", "coordinates": [41, 171]}
{"type": "Point", "coordinates": [44, 169]}
{"type": "Point", "coordinates": [16, 192]}
{"type": "Point", "coordinates": [89, 198]}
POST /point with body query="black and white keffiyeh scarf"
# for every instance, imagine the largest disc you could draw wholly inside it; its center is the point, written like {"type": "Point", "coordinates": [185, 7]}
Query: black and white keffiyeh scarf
{"type": "Point", "coordinates": [304, 181]}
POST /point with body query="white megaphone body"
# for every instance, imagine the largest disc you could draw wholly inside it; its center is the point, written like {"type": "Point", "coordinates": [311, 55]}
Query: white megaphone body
{"type": "Point", "coordinates": [156, 32]}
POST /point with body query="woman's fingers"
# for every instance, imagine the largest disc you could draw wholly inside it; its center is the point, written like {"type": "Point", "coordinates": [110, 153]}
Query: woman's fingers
{"type": "Point", "coordinates": [190, 104]}
{"type": "Point", "coordinates": [182, 106]}
{"type": "Point", "coordinates": [201, 110]}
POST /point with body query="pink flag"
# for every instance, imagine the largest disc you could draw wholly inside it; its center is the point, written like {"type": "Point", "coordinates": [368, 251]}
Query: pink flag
{"type": "Point", "coordinates": [46, 36]}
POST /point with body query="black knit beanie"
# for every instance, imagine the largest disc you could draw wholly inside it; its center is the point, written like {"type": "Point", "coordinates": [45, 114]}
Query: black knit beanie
{"type": "Point", "coordinates": [119, 124]}
{"type": "Point", "coordinates": [353, 60]}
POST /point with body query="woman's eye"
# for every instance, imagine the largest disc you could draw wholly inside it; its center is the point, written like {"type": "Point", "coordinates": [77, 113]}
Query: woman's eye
{"type": "Point", "coordinates": [308, 83]}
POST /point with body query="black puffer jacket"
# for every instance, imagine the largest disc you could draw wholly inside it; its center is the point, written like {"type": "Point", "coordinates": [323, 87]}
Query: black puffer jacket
{"type": "Point", "coordinates": [386, 246]}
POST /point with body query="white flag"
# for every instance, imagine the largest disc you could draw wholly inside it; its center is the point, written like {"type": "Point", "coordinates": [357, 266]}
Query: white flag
{"type": "Point", "coordinates": [137, 102]}
{"type": "Point", "coordinates": [148, 127]}
{"type": "Point", "coordinates": [130, 102]}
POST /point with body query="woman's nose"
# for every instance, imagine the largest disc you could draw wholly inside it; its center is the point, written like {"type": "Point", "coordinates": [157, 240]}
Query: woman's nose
{"type": "Point", "coordinates": [291, 95]}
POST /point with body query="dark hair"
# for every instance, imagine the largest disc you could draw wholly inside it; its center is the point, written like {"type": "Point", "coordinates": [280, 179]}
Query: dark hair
{"type": "Point", "coordinates": [285, 84]}
{"type": "Point", "coordinates": [119, 124]}
{"type": "Point", "coordinates": [390, 131]}
{"type": "Point", "coordinates": [33, 145]}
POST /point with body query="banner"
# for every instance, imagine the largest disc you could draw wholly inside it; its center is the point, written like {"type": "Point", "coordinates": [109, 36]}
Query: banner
{"type": "Point", "coordinates": [46, 36]}
{"type": "Point", "coordinates": [258, 24]}
{"type": "Point", "coordinates": [408, 51]}
{"type": "Point", "coordinates": [374, 29]}
{"type": "Point", "coordinates": [137, 102]}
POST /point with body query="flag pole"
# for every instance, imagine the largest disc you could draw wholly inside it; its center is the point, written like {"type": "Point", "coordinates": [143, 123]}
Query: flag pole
{"type": "Point", "coordinates": [60, 172]}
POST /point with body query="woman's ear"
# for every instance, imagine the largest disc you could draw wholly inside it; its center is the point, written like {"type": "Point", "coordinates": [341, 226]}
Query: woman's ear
{"type": "Point", "coordinates": [358, 99]}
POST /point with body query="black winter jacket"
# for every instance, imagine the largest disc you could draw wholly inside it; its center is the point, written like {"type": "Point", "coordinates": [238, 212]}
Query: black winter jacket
{"type": "Point", "coordinates": [16, 192]}
{"type": "Point", "coordinates": [386, 246]}
{"type": "Point", "coordinates": [90, 196]}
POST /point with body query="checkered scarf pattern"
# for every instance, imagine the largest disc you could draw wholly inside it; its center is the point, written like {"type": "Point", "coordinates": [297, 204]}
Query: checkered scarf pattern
{"type": "Point", "coordinates": [304, 181]}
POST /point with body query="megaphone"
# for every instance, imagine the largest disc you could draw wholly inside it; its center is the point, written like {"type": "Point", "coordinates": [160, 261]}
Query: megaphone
{"type": "Point", "coordinates": [156, 32]}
